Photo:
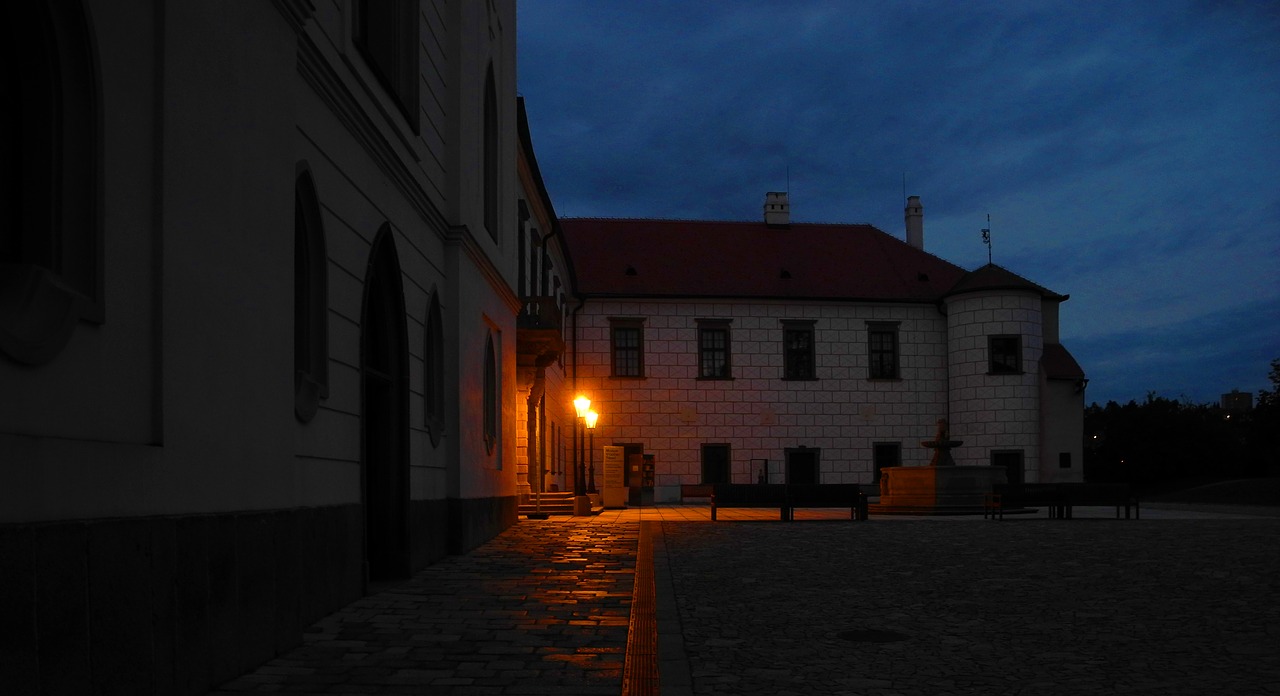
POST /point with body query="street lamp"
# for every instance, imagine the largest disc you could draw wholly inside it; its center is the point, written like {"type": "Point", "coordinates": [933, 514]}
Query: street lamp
{"type": "Point", "coordinates": [591, 418]}
{"type": "Point", "coordinates": [582, 405]}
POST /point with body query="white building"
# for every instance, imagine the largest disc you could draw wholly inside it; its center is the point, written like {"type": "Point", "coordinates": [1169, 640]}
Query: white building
{"type": "Point", "coordinates": [258, 323]}
{"type": "Point", "coordinates": [742, 351]}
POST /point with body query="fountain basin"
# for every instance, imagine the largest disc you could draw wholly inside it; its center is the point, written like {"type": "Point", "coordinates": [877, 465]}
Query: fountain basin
{"type": "Point", "coordinates": [936, 490]}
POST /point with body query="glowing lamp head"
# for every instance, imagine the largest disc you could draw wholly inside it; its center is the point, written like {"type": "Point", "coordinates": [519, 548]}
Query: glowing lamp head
{"type": "Point", "coordinates": [592, 416]}
{"type": "Point", "coordinates": [582, 404]}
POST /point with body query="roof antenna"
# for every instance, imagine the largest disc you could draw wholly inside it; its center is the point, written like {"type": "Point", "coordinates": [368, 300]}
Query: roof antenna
{"type": "Point", "coordinates": [904, 188]}
{"type": "Point", "coordinates": [788, 188]}
{"type": "Point", "coordinates": [986, 238]}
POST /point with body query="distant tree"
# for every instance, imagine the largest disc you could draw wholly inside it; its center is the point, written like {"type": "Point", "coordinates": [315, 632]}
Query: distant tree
{"type": "Point", "coordinates": [1264, 423]}
{"type": "Point", "coordinates": [1161, 441]}
{"type": "Point", "coordinates": [1271, 399]}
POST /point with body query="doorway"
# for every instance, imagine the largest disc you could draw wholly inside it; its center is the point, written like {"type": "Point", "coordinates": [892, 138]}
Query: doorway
{"type": "Point", "coordinates": [802, 466]}
{"type": "Point", "coordinates": [885, 455]}
{"type": "Point", "coordinates": [384, 397]}
{"type": "Point", "coordinates": [1011, 460]}
{"type": "Point", "coordinates": [715, 464]}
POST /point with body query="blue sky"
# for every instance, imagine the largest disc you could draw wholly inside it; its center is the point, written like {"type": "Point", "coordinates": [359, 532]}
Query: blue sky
{"type": "Point", "coordinates": [1127, 153]}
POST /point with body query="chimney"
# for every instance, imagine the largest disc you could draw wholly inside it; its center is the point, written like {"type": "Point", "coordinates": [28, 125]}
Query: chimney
{"type": "Point", "coordinates": [914, 214]}
{"type": "Point", "coordinates": [777, 211]}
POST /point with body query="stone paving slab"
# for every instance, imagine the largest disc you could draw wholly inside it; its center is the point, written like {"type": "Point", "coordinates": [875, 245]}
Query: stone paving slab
{"type": "Point", "coordinates": [1033, 607]}
{"type": "Point", "coordinates": [541, 609]}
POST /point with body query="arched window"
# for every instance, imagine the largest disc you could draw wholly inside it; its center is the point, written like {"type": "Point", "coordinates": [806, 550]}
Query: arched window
{"type": "Point", "coordinates": [310, 300]}
{"type": "Point", "coordinates": [490, 395]}
{"type": "Point", "coordinates": [50, 237]}
{"type": "Point", "coordinates": [433, 371]}
{"type": "Point", "coordinates": [492, 159]}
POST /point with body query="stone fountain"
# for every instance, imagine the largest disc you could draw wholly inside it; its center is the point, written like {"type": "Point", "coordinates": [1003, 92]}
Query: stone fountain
{"type": "Point", "coordinates": [941, 488]}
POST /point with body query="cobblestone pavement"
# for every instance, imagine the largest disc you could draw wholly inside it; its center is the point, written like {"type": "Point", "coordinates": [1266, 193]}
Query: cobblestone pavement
{"type": "Point", "coordinates": [1035, 606]}
{"type": "Point", "coordinates": [541, 609]}
{"type": "Point", "coordinates": [1178, 602]}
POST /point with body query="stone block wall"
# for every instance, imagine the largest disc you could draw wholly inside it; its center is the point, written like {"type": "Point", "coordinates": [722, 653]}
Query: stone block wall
{"type": "Point", "coordinates": [994, 412]}
{"type": "Point", "coordinates": [842, 413]}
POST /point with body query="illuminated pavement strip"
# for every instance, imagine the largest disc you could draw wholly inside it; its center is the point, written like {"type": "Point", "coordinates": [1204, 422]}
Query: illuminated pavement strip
{"type": "Point", "coordinates": [833, 607]}
{"type": "Point", "coordinates": [640, 673]}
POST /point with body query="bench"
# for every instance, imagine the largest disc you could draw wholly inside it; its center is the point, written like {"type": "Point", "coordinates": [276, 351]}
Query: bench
{"type": "Point", "coordinates": [696, 490]}
{"type": "Point", "coordinates": [749, 495]}
{"type": "Point", "coordinates": [789, 497]}
{"type": "Point", "coordinates": [829, 495]}
{"type": "Point", "coordinates": [1013, 496]}
{"type": "Point", "coordinates": [1121, 495]}
{"type": "Point", "coordinates": [1060, 498]}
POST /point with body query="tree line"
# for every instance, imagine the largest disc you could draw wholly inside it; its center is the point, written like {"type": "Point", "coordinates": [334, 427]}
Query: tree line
{"type": "Point", "coordinates": [1162, 441]}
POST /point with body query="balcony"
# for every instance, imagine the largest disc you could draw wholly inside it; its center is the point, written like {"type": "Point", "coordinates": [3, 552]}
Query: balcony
{"type": "Point", "coordinates": [538, 332]}
{"type": "Point", "coordinates": [539, 313]}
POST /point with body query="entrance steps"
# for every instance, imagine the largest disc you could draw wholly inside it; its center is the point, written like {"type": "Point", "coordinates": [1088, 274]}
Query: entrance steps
{"type": "Point", "coordinates": [558, 503]}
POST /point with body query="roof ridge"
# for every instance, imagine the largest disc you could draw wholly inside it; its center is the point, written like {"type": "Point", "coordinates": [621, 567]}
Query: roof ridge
{"type": "Point", "coordinates": [718, 222]}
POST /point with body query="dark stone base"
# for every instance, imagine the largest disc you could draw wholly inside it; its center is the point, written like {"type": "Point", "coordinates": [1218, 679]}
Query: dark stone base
{"type": "Point", "coordinates": [428, 532]}
{"type": "Point", "coordinates": [168, 604]}
{"type": "Point", "coordinates": [178, 605]}
{"type": "Point", "coordinates": [473, 521]}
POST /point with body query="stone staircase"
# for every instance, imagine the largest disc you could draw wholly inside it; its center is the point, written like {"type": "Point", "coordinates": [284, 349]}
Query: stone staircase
{"type": "Point", "coordinates": [559, 503]}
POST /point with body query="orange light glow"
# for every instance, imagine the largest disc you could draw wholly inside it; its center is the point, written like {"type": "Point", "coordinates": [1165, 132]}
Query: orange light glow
{"type": "Point", "coordinates": [582, 404]}
{"type": "Point", "coordinates": [591, 419]}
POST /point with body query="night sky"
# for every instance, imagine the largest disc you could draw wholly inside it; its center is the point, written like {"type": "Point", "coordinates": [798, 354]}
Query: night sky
{"type": "Point", "coordinates": [1128, 154]}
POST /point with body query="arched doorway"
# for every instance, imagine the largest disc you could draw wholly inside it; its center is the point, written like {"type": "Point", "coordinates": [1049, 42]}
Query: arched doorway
{"type": "Point", "coordinates": [384, 401]}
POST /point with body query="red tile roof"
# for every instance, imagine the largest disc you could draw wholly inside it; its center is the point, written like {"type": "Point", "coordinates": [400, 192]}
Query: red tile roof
{"type": "Point", "coordinates": [993, 277]}
{"type": "Point", "coordinates": [683, 258]}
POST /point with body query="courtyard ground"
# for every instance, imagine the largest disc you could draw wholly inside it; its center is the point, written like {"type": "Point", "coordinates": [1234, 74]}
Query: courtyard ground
{"type": "Point", "coordinates": [1179, 602]}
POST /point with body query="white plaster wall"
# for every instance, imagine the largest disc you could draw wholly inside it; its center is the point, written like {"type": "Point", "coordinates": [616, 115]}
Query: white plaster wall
{"type": "Point", "coordinates": [478, 22]}
{"type": "Point", "coordinates": [483, 311]}
{"type": "Point", "coordinates": [1063, 430]}
{"type": "Point", "coordinates": [200, 423]}
{"type": "Point", "coordinates": [559, 392]}
{"type": "Point", "coordinates": [100, 387]}
{"type": "Point", "coordinates": [994, 412]}
{"type": "Point", "coordinates": [182, 401]}
{"type": "Point", "coordinates": [73, 427]}
{"type": "Point", "coordinates": [758, 413]}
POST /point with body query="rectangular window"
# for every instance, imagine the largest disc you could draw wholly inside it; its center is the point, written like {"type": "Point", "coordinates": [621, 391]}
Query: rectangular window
{"type": "Point", "coordinates": [797, 350]}
{"type": "Point", "coordinates": [627, 338]}
{"type": "Point", "coordinates": [713, 349]}
{"type": "Point", "coordinates": [1064, 460]}
{"type": "Point", "coordinates": [1006, 355]}
{"type": "Point", "coordinates": [882, 350]}
{"type": "Point", "coordinates": [387, 34]}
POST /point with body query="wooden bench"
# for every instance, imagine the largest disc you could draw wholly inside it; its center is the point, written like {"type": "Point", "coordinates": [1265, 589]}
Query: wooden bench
{"type": "Point", "coordinates": [750, 495]}
{"type": "Point", "coordinates": [1060, 498]}
{"type": "Point", "coordinates": [789, 497]}
{"type": "Point", "coordinates": [829, 495]}
{"type": "Point", "coordinates": [1013, 496]}
{"type": "Point", "coordinates": [696, 490]}
{"type": "Point", "coordinates": [1121, 495]}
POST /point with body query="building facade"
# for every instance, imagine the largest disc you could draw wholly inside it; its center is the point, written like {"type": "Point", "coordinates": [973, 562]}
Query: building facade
{"type": "Point", "coordinates": [258, 320]}
{"type": "Point", "coordinates": [778, 352]}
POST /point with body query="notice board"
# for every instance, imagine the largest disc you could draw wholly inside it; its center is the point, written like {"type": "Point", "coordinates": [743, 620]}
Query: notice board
{"type": "Point", "coordinates": [615, 494]}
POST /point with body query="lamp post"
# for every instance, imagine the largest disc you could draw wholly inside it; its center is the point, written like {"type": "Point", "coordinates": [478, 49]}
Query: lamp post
{"type": "Point", "coordinates": [582, 405]}
{"type": "Point", "coordinates": [591, 418]}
